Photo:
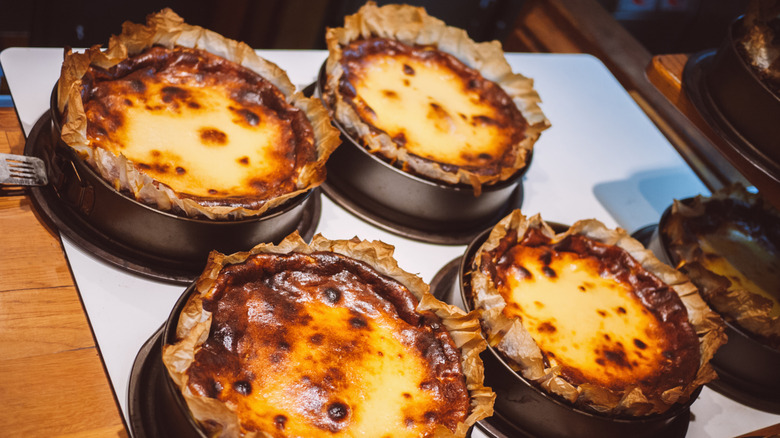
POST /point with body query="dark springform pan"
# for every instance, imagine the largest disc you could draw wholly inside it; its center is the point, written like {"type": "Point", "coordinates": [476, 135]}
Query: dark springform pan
{"type": "Point", "coordinates": [742, 97]}
{"type": "Point", "coordinates": [747, 368]}
{"type": "Point", "coordinates": [410, 200]}
{"type": "Point", "coordinates": [153, 231]}
{"type": "Point", "coordinates": [156, 407]}
{"type": "Point", "coordinates": [535, 412]}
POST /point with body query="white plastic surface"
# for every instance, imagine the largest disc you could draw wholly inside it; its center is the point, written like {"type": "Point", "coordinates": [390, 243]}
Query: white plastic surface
{"type": "Point", "coordinates": [602, 158]}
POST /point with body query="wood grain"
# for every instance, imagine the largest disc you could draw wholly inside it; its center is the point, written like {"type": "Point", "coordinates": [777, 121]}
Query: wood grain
{"type": "Point", "coordinates": [665, 72]}
{"type": "Point", "coordinates": [52, 380]}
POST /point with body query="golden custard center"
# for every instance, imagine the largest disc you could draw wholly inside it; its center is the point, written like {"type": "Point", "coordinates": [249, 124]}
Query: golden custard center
{"type": "Point", "coordinates": [201, 150]}
{"type": "Point", "coordinates": [580, 318]}
{"type": "Point", "coordinates": [433, 109]}
{"type": "Point", "coordinates": [381, 387]}
{"type": "Point", "coordinates": [747, 264]}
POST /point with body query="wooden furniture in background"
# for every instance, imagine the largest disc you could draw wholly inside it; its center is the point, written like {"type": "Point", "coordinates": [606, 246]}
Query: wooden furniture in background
{"type": "Point", "coordinates": [583, 26]}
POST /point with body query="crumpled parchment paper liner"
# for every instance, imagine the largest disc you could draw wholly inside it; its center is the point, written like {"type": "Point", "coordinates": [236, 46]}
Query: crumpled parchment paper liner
{"type": "Point", "coordinates": [413, 26]}
{"type": "Point", "coordinates": [165, 28]}
{"type": "Point", "coordinates": [192, 328]}
{"type": "Point", "coordinates": [513, 340]}
{"type": "Point", "coordinates": [748, 310]}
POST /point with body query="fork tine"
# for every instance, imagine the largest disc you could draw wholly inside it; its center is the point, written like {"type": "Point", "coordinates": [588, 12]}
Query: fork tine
{"type": "Point", "coordinates": [21, 170]}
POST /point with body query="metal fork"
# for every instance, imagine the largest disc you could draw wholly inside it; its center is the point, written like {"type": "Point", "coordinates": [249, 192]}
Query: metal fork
{"type": "Point", "coordinates": [21, 170]}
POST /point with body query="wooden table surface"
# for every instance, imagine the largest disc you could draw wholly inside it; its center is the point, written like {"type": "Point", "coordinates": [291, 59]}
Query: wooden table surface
{"type": "Point", "coordinates": [52, 381]}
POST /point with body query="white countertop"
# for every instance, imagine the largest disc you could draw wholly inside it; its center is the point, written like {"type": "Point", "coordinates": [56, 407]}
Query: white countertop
{"type": "Point", "coordinates": [602, 158]}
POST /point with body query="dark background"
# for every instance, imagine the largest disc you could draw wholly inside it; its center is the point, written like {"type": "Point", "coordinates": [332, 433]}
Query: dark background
{"type": "Point", "coordinates": [662, 26]}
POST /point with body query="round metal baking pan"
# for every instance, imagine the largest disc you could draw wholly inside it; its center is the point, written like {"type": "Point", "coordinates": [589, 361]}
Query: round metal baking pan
{"type": "Point", "coordinates": [733, 102]}
{"type": "Point", "coordinates": [524, 409]}
{"type": "Point", "coordinates": [747, 368]}
{"type": "Point", "coordinates": [410, 205]}
{"type": "Point", "coordinates": [155, 406]}
{"type": "Point", "coordinates": [139, 238]}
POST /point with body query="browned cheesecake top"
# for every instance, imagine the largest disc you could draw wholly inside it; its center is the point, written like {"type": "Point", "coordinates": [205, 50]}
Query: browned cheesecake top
{"type": "Point", "coordinates": [321, 344]}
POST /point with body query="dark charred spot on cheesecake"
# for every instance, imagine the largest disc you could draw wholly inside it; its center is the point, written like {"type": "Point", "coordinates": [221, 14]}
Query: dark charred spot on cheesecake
{"type": "Point", "coordinates": [390, 94]}
{"type": "Point", "coordinates": [317, 338]}
{"type": "Point", "coordinates": [338, 411]}
{"type": "Point", "coordinates": [358, 322]}
{"type": "Point", "coordinates": [617, 356]}
{"type": "Point", "coordinates": [280, 421]}
{"type": "Point", "coordinates": [144, 166]}
{"type": "Point", "coordinates": [547, 327]}
{"type": "Point", "coordinates": [171, 93]}
{"type": "Point", "coordinates": [485, 156]}
{"type": "Point", "coordinates": [400, 139]}
{"type": "Point", "coordinates": [243, 387]}
{"type": "Point", "coordinates": [128, 102]}
{"type": "Point", "coordinates": [430, 416]}
{"type": "Point", "coordinates": [621, 310]}
{"type": "Point", "coordinates": [483, 120]}
{"type": "Point", "coordinates": [283, 346]}
{"type": "Point", "coordinates": [244, 160]}
{"type": "Point", "coordinates": [213, 388]}
{"type": "Point", "coordinates": [582, 288]}
{"type": "Point", "coordinates": [523, 273]}
{"type": "Point", "coordinates": [137, 86]}
{"type": "Point", "coordinates": [180, 170]}
{"type": "Point", "coordinates": [407, 395]}
{"type": "Point", "coordinates": [332, 295]}
{"type": "Point", "coordinates": [639, 344]}
{"type": "Point", "coordinates": [436, 111]}
{"type": "Point", "coordinates": [212, 136]}
{"type": "Point", "coordinates": [213, 192]}
{"type": "Point", "coordinates": [408, 70]}
{"type": "Point", "coordinates": [549, 272]}
{"type": "Point", "coordinates": [472, 84]}
{"type": "Point", "coordinates": [606, 336]}
{"type": "Point", "coordinates": [193, 105]}
{"type": "Point", "coordinates": [602, 313]}
{"type": "Point", "coordinates": [250, 117]}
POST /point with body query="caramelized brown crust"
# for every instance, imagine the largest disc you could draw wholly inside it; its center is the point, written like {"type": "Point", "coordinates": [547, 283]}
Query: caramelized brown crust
{"type": "Point", "coordinates": [679, 361]}
{"type": "Point", "coordinates": [261, 307]}
{"type": "Point", "coordinates": [325, 339]}
{"type": "Point", "coordinates": [232, 189]}
{"type": "Point", "coordinates": [135, 82]}
{"type": "Point", "coordinates": [637, 329]}
{"type": "Point", "coordinates": [416, 34]}
{"type": "Point", "coordinates": [507, 118]}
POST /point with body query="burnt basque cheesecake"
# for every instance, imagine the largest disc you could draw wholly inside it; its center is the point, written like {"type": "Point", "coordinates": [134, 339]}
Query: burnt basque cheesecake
{"type": "Point", "coordinates": [591, 316]}
{"type": "Point", "coordinates": [729, 245]}
{"type": "Point", "coordinates": [185, 120]}
{"type": "Point", "coordinates": [425, 97]}
{"type": "Point", "coordinates": [327, 339]}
